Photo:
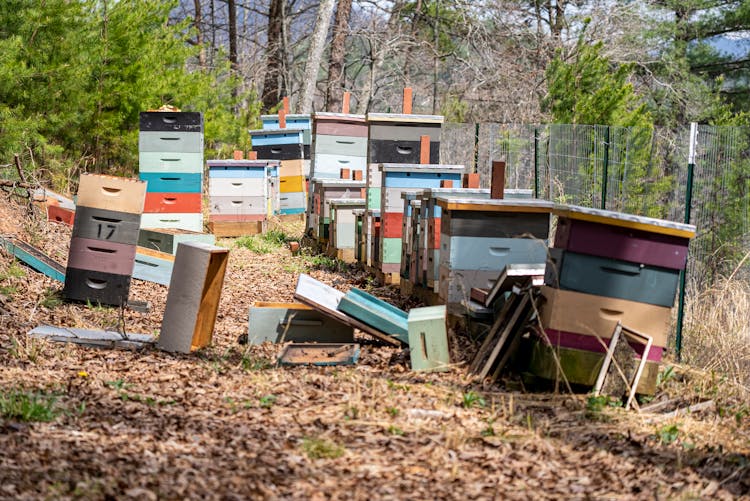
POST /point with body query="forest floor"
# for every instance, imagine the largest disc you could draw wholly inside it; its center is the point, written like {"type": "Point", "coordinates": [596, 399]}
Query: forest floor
{"type": "Point", "coordinates": [226, 423]}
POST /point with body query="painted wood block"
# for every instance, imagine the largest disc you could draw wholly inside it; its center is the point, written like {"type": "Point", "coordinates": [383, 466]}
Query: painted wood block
{"type": "Point", "coordinates": [320, 354]}
{"type": "Point", "coordinates": [96, 287]}
{"type": "Point", "coordinates": [580, 367]}
{"type": "Point", "coordinates": [181, 121]}
{"type": "Point", "coordinates": [405, 132]}
{"type": "Point", "coordinates": [193, 298]}
{"type": "Point", "coordinates": [173, 182]}
{"type": "Point", "coordinates": [393, 224]}
{"type": "Point", "coordinates": [187, 221]}
{"type": "Point", "coordinates": [101, 255]}
{"type": "Point", "coordinates": [290, 184]}
{"type": "Point", "coordinates": [236, 228]}
{"type": "Point", "coordinates": [238, 205]}
{"type": "Point", "coordinates": [281, 152]}
{"type": "Point", "coordinates": [172, 202]}
{"type": "Point", "coordinates": [586, 342]}
{"type": "Point", "coordinates": [326, 299]}
{"type": "Point", "coordinates": [398, 151]}
{"type": "Point", "coordinates": [623, 220]}
{"type": "Point", "coordinates": [374, 176]}
{"type": "Point", "coordinates": [329, 165]}
{"type": "Point", "coordinates": [167, 239]}
{"type": "Point", "coordinates": [111, 193]}
{"type": "Point", "coordinates": [236, 217]}
{"type": "Point", "coordinates": [612, 278]}
{"type": "Point", "coordinates": [341, 146]}
{"type": "Point", "coordinates": [170, 141]}
{"type": "Point", "coordinates": [495, 224]}
{"type": "Point", "coordinates": [101, 224]}
{"type": "Point", "coordinates": [59, 214]}
{"type": "Point", "coordinates": [164, 161]}
{"type": "Point", "coordinates": [416, 180]}
{"type": "Point", "coordinates": [598, 315]}
{"type": "Point", "coordinates": [404, 118]}
{"type": "Point", "coordinates": [237, 187]}
{"type": "Point", "coordinates": [34, 258]}
{"type": "Point", "coordinates": [428, 339]}
{"type": "Point", "coordinates": [294, 322]}
{"type": "Point", "coordinates": [153, 266]}
{"type": "Point", "coordinates": [477, 253]}
{"type": "Point", "coordinates": [293, 200]}
{"type": "Point", "coordinates": [372, 311]}
{"type": "Point", "coordinates": [293, 121]}
{"type": "Point", "coordinates": [275, 137]}
{"type": "Point", "coordinates": [242, 172]}
{"type": "Point", "coordinates": [391, 251]}
{"type": "Point", "coordinates": [624, 244]}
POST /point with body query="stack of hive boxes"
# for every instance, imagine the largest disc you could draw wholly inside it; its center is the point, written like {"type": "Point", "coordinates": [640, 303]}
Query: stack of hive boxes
{"type": "Point", "coordinates": [170, 159]}
{"type": "Point", "coordinates": [339, 145]}
{"type": "Point", "coordinates": [322, 192]}
{"type": "Point", "coordinates": [242, 195]}
{"type": "Point", "coordinates": [397, 180]}
{"type": "Point", "coordinates": [105, 235]}
{"type": "Point", "coordinates": [343, 227]}
{"type": "Point", "coordinates": [395, 139]}
{"type": "Point", "coordinates": [296, 121]}
{"type": "Point", "coordinates": [478, 238]}
{"type": "Point", "coordinates": [608, 267]}
{"type": "Point", "coordinates": [284, 145]}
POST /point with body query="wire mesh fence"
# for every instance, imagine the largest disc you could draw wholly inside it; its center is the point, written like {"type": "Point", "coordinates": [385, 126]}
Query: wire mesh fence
{"type": "Point", "coordinates": [634, 170]}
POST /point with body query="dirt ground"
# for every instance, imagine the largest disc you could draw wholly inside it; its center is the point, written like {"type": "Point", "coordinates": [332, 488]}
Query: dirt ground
{"type": "Point", "coordinates": [225, 423]}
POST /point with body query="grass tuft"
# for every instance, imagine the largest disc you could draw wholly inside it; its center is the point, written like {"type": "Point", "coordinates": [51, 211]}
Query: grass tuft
{"type": "Point", "coordinates": [319, 448]}
{"type": "Point", "coordinates": [26, 406]}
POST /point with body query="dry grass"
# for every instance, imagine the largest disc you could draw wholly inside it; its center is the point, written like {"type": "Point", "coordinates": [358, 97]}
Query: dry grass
{"type": "Point", "coordinates": [717, 330]}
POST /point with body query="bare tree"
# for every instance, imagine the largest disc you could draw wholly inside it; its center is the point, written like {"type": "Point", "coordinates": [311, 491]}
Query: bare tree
{"type": "Point", "coordinates": [315, 55]}
{"type": "Point", "coordinates": [335, 87]}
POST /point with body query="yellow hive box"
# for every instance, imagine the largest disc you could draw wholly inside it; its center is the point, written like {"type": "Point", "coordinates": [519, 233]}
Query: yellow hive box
{"type": "Point", "coordinates": [111, 193]}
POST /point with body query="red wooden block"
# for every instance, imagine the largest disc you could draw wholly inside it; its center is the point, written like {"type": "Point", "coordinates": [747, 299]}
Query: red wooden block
{"type": "Point", "coordinates": [424, 150]}
{"type": "Point", "coordinates": [345, 103]}
{"type": "Point", "coordinates": [357, 175]}
{"type": "Point", "coordinates": [282, 117]}
{"type": "Point", "coordinates": [345, 173]}
{"type": "Point", "coordinates": [446, 183]}
{"type": "Point", "coordinates": [172, 202]}
{"type": "Point", "coordinates": [433, 233]}
{"type": "Point", "coordinates": [286, 105]}
{"type": "Point", "coordinates": [407, 101]}
{"type": "Point", "coordinates": [497, 189]}
{"type": "Point", "coordinates": [238, 154]}
{"type": "Point", "coordinates": [58, 214]}
{"type": "Point", "coordinates": [252, 155]}
{"type": "Point", "coordinates": [393, 225]}
{"type": "Point", "coordinates": [471, 180]}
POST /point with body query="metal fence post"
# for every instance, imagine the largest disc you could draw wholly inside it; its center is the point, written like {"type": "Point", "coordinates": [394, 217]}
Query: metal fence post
{"type": "Point", "coordinates": [688, 203]}
{"type": "Point", "coordinates": [536, 162]}
{"type": "Point", "coordinates": [605, 168]}
{"type": "Point", "coordinates": [476, 147]}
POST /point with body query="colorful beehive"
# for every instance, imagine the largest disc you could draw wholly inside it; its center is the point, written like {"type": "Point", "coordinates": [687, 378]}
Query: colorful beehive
{"type": "Point", "coordinates": [339, 141]}
{"type": "Point", "coordinates": [430, 214]}
{"type": "Point", "coordinates": [410, 231]}
{"type": "Point", "coordinates": [404, 178]}
{"type": "Point", "coordinates": [294, 121]}
{"type": "Point", "coordinates": [103, 244]}
{"type": "Point", "coordinates": [285, 145]}
{"type": "Point", "coordinates": [322, 191]}
{"type": "Point", "coordinates": [342, 241]}
{"type": "Point", "coordinates": [242, 195]}
{"type": "Point", "coordinates": [396, 138]}
{"type": "Point", "coordinates": [608, 267]}
{"type": "Point", "coordinates": [480, 237]}
{"type": "Point", "coordinates": [360, 252]}
{"type": "Point", "coordinates": [170, 159]}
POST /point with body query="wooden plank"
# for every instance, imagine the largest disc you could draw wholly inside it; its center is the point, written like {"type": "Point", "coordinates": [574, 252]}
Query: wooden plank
{"type": "Point", "coordinates": [372, 311]}
{"type": "Point", "coordinates": [405, 118]}
{"type": "Point", "coordinates": [92, 338]}
{"type": "Point", "coordinates": [497, 186]}
{"type": "Point", "coordinates": [34, 258]}
{"type": "Point", "coordinates": [321, 354]}
{"type": "Point", "coordinates": [326, 299]}
{"type": "Point", "coordinates": [515, 276]}
{"type": "Point", "coordinates": [505, 205]}
{"type": "Point", "coordinates": [235, 228]}
{"type": "Point", "coordinates": [193, 299]}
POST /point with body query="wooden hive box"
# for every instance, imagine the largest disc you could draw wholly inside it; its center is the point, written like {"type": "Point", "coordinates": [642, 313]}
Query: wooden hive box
{"type": "Point", "coordinates": [111, 193]}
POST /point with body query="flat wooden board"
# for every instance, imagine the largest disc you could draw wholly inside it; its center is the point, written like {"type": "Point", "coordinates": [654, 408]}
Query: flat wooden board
{"type": "Point", "coordinates": [625, 220]}
{"type": "Point", "coordinates": [326, 299]}
{"type": "Point", "coordinates": [34, 258]}
{"type": "Point", "coordinates": [92, 338]}
{"type": "Point", "coordinates": [401, 117]}
{"type": "Point", "coordinates": [427, 168]}
{"type": "Point", "coordinates": [235, 229]}
{"type": "Point", "coordinates": [319, 354]}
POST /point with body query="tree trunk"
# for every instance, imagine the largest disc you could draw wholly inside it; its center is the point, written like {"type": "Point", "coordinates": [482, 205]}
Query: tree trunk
{"type": "Point", "coordinates": [315, 55]}
{"type": "Point", "coordinates": [274, 56]}
{"type": "Point", "coordinates": [197, 22]}
{"type": "Point", "coordinates": [233, 61]}
{"type": "Point", "coordinates": [335, 90]}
